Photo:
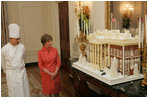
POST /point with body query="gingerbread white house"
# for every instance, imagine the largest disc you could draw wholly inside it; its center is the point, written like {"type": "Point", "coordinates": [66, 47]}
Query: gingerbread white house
{"type": "Point", "coordinates": [113, 53]}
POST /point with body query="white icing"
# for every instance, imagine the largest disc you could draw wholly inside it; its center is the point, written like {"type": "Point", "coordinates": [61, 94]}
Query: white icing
{"type": "Point", "coordinates": [136, 72]}
{"type": "Point", "coordinates": [111, 34]}
{"type": "Point", "coordinates": [114, 65]}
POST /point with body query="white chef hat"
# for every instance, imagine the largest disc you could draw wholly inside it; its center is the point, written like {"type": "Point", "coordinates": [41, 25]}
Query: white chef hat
{"type": "Point", "coordinates": [14, 31]}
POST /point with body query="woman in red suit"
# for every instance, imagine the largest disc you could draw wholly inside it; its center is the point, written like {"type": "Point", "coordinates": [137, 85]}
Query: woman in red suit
{"type": "Point", "coordinates": [49, 64]}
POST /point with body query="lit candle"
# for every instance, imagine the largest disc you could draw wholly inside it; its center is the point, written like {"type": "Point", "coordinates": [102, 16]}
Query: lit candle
{"type": "Point", "coordinates": [139, 31]}
{"type": "Point", "coordinates": [78, 28]}
{"type": "Point", "coordinates": [75, 30]}
{"type": "Point", "coordinates": [118, 24]}
{"type": "Point", "coordinates": [115, 24]}
{"type": "Point", "coordinates": [87, 28]}
{"type": "Point", "coordinates": [81, 21]}
{"type": "Point", "coordinates": [84, 27]}
{"type": "Point", "coordinates": [142, 33]}
{"type": "Point", "coordinates": [111, 19]}
{"type": "Point", "coordinates": [89, 25]}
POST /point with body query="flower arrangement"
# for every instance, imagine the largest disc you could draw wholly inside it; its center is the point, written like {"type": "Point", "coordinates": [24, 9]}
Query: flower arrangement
{"type": "Point", "coordinates": [84, 20]}
{"type": "Point", "coordinates": [83, 14]}
{"type": "Point", "coordinates": [126, 21]}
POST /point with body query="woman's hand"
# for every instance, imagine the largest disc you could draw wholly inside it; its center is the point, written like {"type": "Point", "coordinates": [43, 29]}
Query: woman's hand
{"type": "Point", "coordinates": [48, 72]}
{"type": "Point", "coordinates": [54, 75]}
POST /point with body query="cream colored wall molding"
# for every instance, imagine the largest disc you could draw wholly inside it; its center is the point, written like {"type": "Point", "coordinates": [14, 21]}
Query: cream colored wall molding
{"type": "Point", "coordinates": [31, 22]}
{"type": "Point", "coordinates": [53, 16]}
{"type": "Point", "coordinates": [13, 12]}
{"type": "Point", "coordinates": [97, 15]}
{"type": "Point", "coordinates": [74, 50]}
{"type": "Point", "coordinates": [35, 19]}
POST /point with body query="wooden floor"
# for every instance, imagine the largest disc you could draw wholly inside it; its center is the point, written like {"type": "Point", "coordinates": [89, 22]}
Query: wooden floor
{"type": "Point", "coordinates": [68, 89]}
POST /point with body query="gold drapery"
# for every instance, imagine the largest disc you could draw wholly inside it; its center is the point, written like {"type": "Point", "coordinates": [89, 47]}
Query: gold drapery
{"type": "Point", "coordinates": [144, 54]}
{"type": "Point", "coordinates": [107, 15]}
{"type": "Point", "coordinates": [4, 26]}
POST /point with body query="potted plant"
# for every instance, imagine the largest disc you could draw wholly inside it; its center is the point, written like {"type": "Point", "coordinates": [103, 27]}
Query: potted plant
{"type": "Point", "coordinates": [126, 21]}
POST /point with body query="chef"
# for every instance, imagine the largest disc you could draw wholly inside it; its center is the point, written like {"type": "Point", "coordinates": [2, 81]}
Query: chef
{"type": "Point", "coordinates": [12, 57]}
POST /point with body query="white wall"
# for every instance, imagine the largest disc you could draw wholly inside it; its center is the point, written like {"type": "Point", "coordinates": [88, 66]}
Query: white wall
{"type": "Point", "coordinates": [53, 16]}
{"type": "Point", "coordinates": [35, 19]}
{"type": "Point", "coordinates": [31, 28]}
{"type": "Point", "coordinates": [74, 52]}
{"type": "Point", "coordinates": [97, 16]}
{"type": "Point", "coordinates": [13, 12]}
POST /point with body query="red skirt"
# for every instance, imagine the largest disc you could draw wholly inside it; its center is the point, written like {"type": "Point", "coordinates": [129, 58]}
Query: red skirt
{"type": "Point", "coordinates": [50, 86]}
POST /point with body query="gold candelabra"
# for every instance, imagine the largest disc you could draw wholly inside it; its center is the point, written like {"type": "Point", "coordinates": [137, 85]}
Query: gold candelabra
{"type": "Point", "coordinates": [144, 64]}
{"type": "Point", "coordinates": [83, 13]}
{"type": "Point", "coordinates": [82, 9]}
{"type": "Point", "coordinates": [83, 41]}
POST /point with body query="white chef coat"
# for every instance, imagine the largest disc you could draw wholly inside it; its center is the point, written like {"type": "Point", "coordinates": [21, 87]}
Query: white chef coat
{"type": "Point", "coordinates": [14, 67]}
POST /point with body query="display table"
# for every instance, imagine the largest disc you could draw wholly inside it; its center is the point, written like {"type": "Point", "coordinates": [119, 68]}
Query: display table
{"type": "Point", "coordinates": [132, 88]}
{"type": "Point", "coordinates": [106, 78]}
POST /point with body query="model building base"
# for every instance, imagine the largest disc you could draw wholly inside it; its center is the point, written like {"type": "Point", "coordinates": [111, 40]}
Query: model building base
{"type": "Point", "coordinates": [105, 75]}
